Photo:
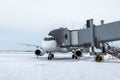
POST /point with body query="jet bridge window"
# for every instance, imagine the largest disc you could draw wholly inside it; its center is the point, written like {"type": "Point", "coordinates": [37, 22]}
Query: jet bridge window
{"type": "Point", "coordinates": [65, 36]}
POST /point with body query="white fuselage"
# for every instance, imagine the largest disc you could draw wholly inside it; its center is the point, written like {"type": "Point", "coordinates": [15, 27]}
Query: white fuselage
{"type": "Point", "coordinates": [49, 44]}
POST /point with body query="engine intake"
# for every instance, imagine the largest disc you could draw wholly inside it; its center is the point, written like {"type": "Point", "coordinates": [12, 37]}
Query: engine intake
{"type": "Point", "coordinates": [78, 53]}
{"type": "Point", "coordinates": [39, 52]}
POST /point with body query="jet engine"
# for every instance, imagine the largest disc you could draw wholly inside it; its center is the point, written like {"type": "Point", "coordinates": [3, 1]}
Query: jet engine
{"type": "Point", "coordinates": [78, 53]}
{"type": "Point", "coordinates": [39, 52]}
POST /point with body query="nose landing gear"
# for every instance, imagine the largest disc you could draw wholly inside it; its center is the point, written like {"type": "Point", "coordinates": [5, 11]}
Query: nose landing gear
{"type": "Point", "coordinates": [50, 56]}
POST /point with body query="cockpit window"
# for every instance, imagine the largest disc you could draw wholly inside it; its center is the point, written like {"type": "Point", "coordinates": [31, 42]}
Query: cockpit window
{"type": "Point", "coordinates": [49, 39]}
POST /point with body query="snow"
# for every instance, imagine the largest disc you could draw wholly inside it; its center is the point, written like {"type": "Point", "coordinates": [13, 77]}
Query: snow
{"type": "Point", "coordinates": [16, 66]}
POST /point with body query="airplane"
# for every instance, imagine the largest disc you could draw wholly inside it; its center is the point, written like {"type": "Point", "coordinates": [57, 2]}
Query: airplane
{"type": "Point", "coordinates": [49, 45]}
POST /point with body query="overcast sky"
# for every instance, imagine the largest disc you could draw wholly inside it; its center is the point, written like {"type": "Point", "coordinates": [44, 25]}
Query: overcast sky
{"type": "Point", "coordinates": [28, 21]}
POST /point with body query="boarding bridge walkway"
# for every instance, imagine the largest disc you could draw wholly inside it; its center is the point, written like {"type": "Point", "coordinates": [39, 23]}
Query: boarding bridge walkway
{"type": "Point", "coordinates": [88, 37]}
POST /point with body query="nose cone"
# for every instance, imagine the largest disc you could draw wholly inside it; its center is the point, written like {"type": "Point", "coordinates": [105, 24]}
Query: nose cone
{"type": "Point", "coordinates": [49, 45]}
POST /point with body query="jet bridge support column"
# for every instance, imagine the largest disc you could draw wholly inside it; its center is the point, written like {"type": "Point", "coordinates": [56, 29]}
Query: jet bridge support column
{"type": "Point", "coordinates": [92, 31]}
{"type": "Point", "coordinates": [103, 44]}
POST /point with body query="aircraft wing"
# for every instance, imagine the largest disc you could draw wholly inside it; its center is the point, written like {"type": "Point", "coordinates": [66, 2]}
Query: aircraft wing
{"type": "Point", "coordinates": [30, 45]}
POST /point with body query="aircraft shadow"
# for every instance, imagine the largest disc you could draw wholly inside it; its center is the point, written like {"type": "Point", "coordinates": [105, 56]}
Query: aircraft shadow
{"type": "Point", "coordinates": [69, 59]}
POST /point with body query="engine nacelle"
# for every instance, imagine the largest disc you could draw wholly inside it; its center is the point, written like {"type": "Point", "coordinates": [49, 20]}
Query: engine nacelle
{"type": "Point", "coordinates": [39, 52]}
{"type": "Point", "coordinates": [78, 53]}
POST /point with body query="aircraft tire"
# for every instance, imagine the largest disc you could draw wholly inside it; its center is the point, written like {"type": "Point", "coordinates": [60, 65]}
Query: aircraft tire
{"type": "Point", "coordinates": [48, 58]}
{"type": "Point", "coordinates": [75, 57]}
{"type": "Point", "coordinates": [52, 55]}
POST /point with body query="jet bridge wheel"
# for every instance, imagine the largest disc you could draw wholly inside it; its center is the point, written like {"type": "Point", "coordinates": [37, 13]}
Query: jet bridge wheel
{"type": "Point", "coordinates": [98, 58]}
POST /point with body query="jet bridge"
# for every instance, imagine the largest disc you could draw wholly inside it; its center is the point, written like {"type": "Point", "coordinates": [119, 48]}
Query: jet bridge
{"type": "Point", "coordinates": [91, 36]}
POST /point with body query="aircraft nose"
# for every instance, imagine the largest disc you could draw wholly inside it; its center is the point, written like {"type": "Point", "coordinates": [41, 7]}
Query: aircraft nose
{"type": "Point", "coordinates": [49, 45]}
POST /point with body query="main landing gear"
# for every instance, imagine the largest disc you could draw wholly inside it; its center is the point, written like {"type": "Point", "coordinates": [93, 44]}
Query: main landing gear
{"type": "Point", "coordinates": [74, 57]}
